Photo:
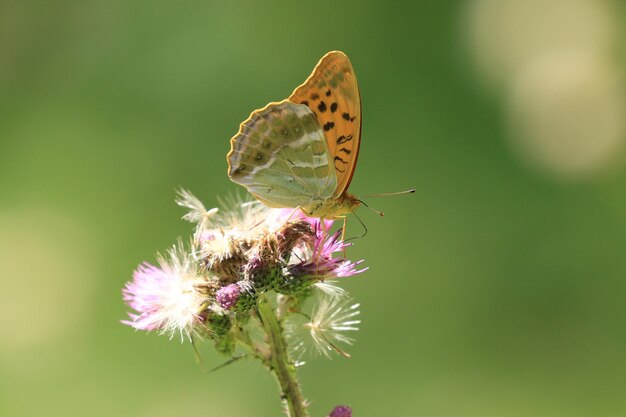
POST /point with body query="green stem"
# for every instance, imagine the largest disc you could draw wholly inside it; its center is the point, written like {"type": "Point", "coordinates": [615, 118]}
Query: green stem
{"type": "Point", "coordinates": [279, 361]}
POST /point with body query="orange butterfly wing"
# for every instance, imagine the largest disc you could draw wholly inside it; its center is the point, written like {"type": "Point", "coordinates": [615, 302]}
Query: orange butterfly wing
{"type": "Point", "coordinates": [332, 93]}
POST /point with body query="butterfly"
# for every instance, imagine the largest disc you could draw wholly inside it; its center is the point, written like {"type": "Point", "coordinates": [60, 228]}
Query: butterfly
{"type": "Point", "coordinates": [301, 152]}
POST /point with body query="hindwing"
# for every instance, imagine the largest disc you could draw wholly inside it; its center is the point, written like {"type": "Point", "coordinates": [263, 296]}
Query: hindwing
{"type": "Point", "coordinates": [281, 156]}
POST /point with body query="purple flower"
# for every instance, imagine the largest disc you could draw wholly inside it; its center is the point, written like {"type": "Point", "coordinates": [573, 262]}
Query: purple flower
{"type": "Point", "coordinates": [227, 296]}
{"type": "Point", "coordinates": [282, 215]}
{"type": "Point", "coordinates": [317, 259]}
{"type": "Point", "coordinates": [341, 411]}
{"type": "Point", "coordinates": [165, 298]}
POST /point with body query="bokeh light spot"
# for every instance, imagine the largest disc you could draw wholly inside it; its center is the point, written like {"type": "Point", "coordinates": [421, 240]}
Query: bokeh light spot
{"type": "Point", "coordinates": [46, 275]}
{"type": "Point", "coordinates": [567, 115]}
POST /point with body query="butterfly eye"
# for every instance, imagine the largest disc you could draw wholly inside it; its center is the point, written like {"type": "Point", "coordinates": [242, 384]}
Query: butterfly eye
{"type": "Point", "coordinates": [285, 132]}
{"type": "Point", "coordinates": [259, 157]}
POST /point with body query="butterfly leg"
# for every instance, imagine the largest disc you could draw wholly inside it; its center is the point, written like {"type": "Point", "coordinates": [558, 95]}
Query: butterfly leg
{"type": "Point", "coordinates": [343, 234]}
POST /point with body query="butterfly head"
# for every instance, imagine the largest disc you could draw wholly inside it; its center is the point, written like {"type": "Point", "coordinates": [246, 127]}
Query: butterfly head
{"type": "Point", "coordinates": [333, 208]}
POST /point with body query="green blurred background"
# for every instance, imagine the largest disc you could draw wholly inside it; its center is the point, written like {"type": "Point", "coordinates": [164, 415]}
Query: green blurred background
{"type": "Point", "coordinates": [496, 290]}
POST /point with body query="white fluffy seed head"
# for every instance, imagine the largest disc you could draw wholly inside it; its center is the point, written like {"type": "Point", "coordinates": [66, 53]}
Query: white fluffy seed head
{"type": "Point", "coordinates": [326, 328]}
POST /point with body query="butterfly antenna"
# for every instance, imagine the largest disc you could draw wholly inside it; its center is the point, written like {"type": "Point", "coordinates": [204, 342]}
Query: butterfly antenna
{"type": "Point", "coordinates": [362, 224]}
{"type": "Point", "coordinates": [411, 191]}
{"type": "Point", "coordinates": [380, 213]}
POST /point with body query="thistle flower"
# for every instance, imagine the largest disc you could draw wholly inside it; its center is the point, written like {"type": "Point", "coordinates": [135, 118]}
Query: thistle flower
{"type": "Point", "coordinates": [241, 251]}
{"type": "Point", "coordinates": [341, 411]}
{"type": "Point", "coordinates": [166, 298]}
{"type": "Point", "coordinates": [318, 261]}
{"type": "Point", "coordinates": [326, 327]}
{"type": "Point", "coordinates": [223, 238]}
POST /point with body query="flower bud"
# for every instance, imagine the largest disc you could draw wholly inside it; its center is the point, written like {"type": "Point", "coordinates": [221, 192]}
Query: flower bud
{"type": "Point", "coordinates": [227, 296]}
{"type": "Point", "coordinates": [341, 411]}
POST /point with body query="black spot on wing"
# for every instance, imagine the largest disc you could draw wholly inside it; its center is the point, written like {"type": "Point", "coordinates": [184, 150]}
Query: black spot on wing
{"type": "Point", "coordinates": [339, 163]}
{"type": "Point", "coordinates": [329, 126]}
{"type": "Point", "coordinates": [306, 103]}
{"type": "Point", "coordinates": [321, 107]}
{"type": "Point", "coordinates": [347, 151]}
{"type": "Point", "coordinates": [346, 116]}
{"type": "Point", "coordinates": [315, 96]}
{"type": "Point", "coordinates": [333, 107]}
{"type": "Point", "coordinates": [343, 139]}
{"type": "Point", "coordinates": [327, 93]}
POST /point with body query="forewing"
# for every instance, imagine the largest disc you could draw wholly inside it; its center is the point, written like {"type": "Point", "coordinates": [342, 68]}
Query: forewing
{"type": "Point", "coordinates": [332, 93]}
{"type": "Point", "coordinates": [281, 156]}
